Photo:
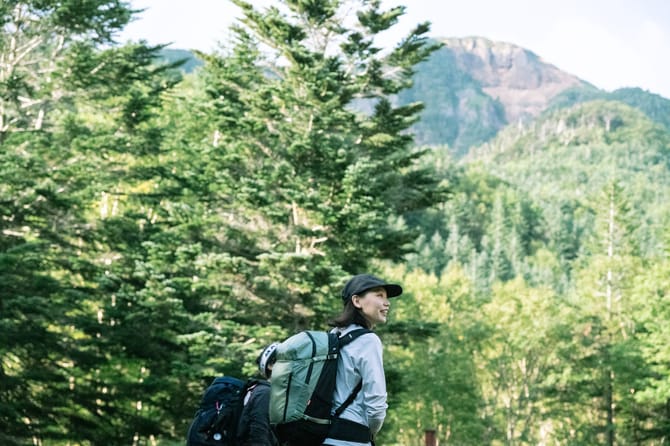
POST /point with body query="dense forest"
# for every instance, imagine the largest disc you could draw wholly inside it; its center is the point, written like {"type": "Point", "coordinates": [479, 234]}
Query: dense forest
{"type": "Point", "coordinates": [159, 228]}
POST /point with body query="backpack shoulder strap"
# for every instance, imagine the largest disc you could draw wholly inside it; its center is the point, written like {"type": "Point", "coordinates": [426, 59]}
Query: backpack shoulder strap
{"type": "Point", "coordinates": [344, 340]}
{"type": "Point", "coordinates": [249, 388]}
{"type": "Point", "coordinates": [349, 400]}
{"type": "Point", "coordinates": [352, 335]}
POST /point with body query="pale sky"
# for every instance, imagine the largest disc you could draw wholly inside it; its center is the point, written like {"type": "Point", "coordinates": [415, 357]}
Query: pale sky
{"type": "Point", "coordinates": [609, 43]}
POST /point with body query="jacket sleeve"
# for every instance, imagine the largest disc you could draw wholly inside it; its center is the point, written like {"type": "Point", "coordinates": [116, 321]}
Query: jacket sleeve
{"type": "Point", "coordinates": [374, 383]}
{"type": "Point", "coordinates": [260, 432]}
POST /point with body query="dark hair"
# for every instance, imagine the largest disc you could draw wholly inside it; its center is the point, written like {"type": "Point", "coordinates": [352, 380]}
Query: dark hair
{"type": "Point", "coordinates": [350, 315]}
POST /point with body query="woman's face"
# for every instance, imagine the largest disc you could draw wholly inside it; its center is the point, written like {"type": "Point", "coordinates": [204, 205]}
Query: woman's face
{"type": "Point", "coordinates": [374, 305]}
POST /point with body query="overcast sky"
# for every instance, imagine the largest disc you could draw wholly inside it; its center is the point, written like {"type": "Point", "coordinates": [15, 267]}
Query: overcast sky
{"type": "Point", "coordinates": [609, 43]}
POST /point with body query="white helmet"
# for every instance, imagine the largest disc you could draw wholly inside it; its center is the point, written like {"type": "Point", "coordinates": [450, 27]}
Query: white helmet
{"type": "Point", "coordinates": [267, 358]}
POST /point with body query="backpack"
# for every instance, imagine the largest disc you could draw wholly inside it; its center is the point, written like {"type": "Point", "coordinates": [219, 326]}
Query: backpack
{"type": "Point", "coordinates": [303, 384]}
{"type": "Point", "coordinates": [215, 421]}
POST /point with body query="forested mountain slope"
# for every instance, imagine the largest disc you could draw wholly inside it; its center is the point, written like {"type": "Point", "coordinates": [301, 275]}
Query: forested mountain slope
{"type": "Point", "coordinates": [654, 106]}
{"type": "Point", "coordinates": [546, 273]}
{"type": "Point", "coordinates": [573, 155]}
{"type": "Point", "coordinates": [540, 187]}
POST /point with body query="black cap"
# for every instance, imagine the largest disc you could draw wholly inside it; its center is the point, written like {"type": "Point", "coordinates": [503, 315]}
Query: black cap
{"type": "Point", "coordinates": [363, 282]}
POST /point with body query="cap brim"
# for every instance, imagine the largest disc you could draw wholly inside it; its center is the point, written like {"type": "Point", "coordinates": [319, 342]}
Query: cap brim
{"type": "Point", "coordinates": [393, 290]}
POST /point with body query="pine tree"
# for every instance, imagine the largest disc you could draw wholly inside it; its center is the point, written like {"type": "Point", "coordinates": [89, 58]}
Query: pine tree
{"type": "Point", "coordinates": [314, 188]}
{"type": "Point", "coordinates": [69, 138]}
{"type": "Point", "coordinates": [607, 319]}
{"type": "Point", "coordinates": [37, 36]}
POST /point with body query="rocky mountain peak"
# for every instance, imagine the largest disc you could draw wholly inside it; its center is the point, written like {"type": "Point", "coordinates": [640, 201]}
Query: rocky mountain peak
{"type": "Point", "coordinates": [517, 77]}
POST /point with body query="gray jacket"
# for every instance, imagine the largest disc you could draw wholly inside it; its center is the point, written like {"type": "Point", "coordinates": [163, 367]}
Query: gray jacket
{"type": "Point", "coordinates": [361, 359]}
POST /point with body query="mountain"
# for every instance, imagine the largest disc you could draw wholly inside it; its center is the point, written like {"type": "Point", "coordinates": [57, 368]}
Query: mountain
{"type": "Point", "coordinates": [457, 113]}
{"type": "Point", "coordinates": [473, 87]}
{"type": "Point", "coordinates": [189, 62]}
{"type": "Point", "coordinates": [599, 125]}
{"type": "Point", "coordinates": [656, 107]}
{"type": "Point", "coordinates": [518, 78]}
{"type": "Point", "coordinates": [570, 156]}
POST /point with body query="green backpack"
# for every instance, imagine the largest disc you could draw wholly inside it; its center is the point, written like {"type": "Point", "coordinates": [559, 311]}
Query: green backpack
{"type": "Point", "coordinates": [303, 384]}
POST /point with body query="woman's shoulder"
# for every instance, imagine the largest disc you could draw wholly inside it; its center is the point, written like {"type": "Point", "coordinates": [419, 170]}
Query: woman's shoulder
{"type": "Point", "coordinates": [342, 331]}
{"type": "Point", "coordinates": [363, 342]}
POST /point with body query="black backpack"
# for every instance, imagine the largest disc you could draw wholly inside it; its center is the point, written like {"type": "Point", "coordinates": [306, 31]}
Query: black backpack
{"type": "Point", "coordinates": [302, 387]}
{"type": "Point", "coordinates": [215, 421]}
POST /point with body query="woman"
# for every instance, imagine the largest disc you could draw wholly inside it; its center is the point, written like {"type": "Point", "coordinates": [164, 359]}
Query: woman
{"type": "Point", "coordinates": [360, 372]}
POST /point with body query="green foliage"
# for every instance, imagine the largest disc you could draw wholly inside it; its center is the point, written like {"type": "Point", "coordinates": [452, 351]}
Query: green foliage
{"type": "Point", "coordinates": [548, 208]}
{"type": "Point", "coordinates": [315, 184]}
{"type": "Point", "coordinates": [37, 36]}
{"type": "Point", "coordinates": [516, 359]}
{"type": "Point", "coordinates": [568, 158]}
{"type": "Point", "coordinates": [170, 233]}
{"type": "Point", "coordinates": [656, 107]}
{"type": "Point", "coordinates": [434, 359]}
{"type": "Point", "coordinates": [159, 228]}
